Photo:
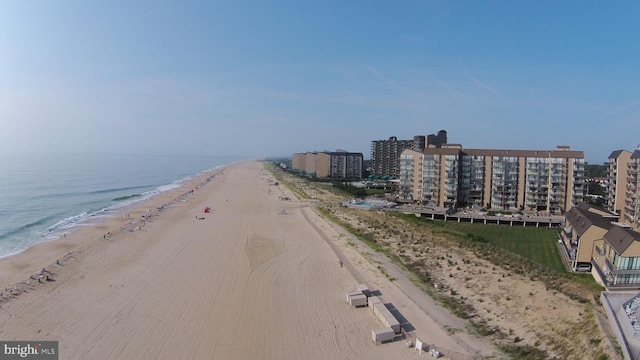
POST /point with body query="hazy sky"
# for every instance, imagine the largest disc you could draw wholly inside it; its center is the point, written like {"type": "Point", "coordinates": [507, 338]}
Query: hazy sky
{"type": "Point", "coordinates": [270, 78]}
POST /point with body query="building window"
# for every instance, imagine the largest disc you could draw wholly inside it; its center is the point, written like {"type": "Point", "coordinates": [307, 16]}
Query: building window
{"type": "Point", "coordinates": [626, 263]}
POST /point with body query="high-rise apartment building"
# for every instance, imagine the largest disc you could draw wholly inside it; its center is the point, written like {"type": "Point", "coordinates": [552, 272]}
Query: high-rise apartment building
{"type": "Point", "coordinates": [631, 213]}
{"type": "Point", "coordinates": [385, 154]}
{"type": "Point", "coordinates": [617, 176]}
{"type": "Point", "coordinates": [437, 140]}
{"type": "Point", "coordinates": [545, 181]}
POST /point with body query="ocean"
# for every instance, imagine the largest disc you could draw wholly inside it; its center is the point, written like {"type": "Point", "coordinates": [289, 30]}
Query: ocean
{"type": "Point", "coordinates": [44, 196]}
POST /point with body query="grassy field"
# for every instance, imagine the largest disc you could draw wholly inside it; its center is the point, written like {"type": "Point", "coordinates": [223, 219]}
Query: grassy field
{"type": "Point", "coordinates": [536, 244]}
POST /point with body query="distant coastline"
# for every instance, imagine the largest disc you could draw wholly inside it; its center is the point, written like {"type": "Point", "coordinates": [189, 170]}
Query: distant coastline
{"type": "Point", "coordinates": [72, 191]}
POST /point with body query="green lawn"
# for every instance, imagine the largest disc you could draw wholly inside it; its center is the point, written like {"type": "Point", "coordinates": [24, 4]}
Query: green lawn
{"type": "Point", "coordinates": [536, 244]}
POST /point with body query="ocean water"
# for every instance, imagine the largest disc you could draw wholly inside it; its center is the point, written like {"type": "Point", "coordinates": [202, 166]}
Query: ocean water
{"type": "Point", "coordinates": [43, 196]}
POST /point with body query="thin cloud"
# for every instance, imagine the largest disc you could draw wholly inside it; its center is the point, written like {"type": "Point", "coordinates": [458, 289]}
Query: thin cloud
{"type": "Point", "coordinates": [458, 96]}
{"type": "Point", "coordinates": [385, 81]}
{"type": "Point", "coordinates": [493, 91]}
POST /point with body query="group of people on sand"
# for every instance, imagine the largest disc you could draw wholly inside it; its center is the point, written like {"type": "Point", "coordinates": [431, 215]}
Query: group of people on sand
{"type": "Point", "coordinates": [41, 275]}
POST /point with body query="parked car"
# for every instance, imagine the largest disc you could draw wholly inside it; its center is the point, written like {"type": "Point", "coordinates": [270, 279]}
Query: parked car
{"type": "Point", "coordinates": [583, 268]}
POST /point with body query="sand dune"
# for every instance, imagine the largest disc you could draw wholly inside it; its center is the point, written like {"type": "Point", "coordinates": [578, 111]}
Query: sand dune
{"type": "Point", "coordinates": [254, 279]}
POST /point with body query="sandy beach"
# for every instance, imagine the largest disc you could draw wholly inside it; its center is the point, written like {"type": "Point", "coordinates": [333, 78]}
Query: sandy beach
{"type": "Point", "coordinates": [257, 278]}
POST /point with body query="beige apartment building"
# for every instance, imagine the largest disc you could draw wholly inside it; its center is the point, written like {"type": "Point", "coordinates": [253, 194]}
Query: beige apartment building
{"type": "Point", "coordinates": [340, 164]}
{"type": "Point", "coordinates": [594, 241]}
{"type": "Point", "coordinates": [298, 161]}
{"type": "Point", "coordinates": [617, 258]}
{"type": "Point", "coordinates": [617, 176]}
{"type": "Point", "coordinates": [631, 213]}
{"type": "Point", "coordinates": [623, 186]}
{"type": "Point", "coordinates": [584, 225]}
{"type": "Point", "coordinates": [546, 181]}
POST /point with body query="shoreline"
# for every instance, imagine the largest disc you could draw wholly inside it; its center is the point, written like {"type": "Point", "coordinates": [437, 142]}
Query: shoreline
{"type": "Point", "coordinates": [256, 278]}
{"type": "Point", "coordinates": [114, 220]}
{"type": "Point", "coordinates": [71, 223]}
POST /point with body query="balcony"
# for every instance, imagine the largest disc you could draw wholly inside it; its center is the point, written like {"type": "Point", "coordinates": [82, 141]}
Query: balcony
{"type": "Point", "coordinates": [616, 272]}
{"type": "Point", "coordinates": [599, 266]}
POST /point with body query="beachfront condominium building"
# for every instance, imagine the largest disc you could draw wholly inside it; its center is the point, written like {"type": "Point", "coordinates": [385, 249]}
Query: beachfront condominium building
{"type": "Point", "coordinates": [617, 175]}
{"type": "Point", "coordinates": [631, 213]}
{"type": "Point", "coordinates": [298, 162]}
{"type": "Point", "coordinates": [385, 154]}
{"type": "Point", "coordinates": [339, 165]}
{"type": "Point", "coordinates": [623, 186]}
{"type": "Point", "coordinates": [411, 174]}
{"type": "Point", "coordinates": [436, 140]}
{"type": "Point", "coordinates": [549, 182]}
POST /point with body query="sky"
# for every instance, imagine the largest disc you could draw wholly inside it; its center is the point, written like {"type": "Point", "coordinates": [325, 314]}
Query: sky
{"type": "Point", "coordinates": [271, 78]}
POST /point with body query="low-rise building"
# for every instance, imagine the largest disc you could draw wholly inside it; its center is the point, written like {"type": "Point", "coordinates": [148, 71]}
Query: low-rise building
{"type": "Point", "coordinates": [618, 260]}
{"type": "Point", "coordinates": [584, 225]}
{"type": "Point", "coordinates": [594, 241]}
